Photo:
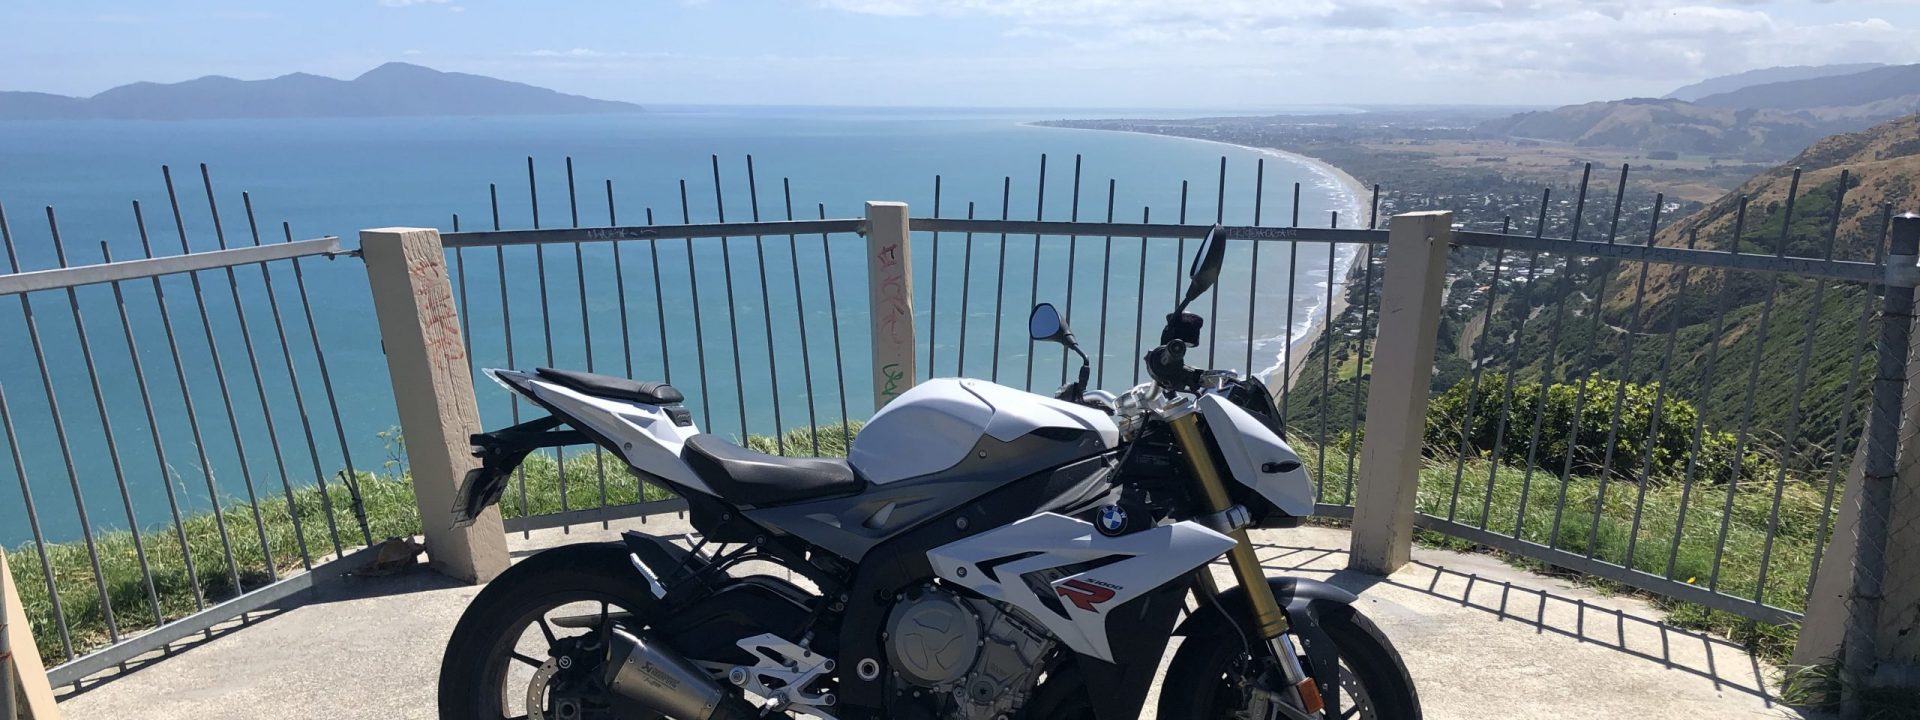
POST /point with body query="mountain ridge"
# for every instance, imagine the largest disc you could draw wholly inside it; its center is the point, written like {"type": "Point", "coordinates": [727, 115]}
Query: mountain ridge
{"type": "Point", "coordinates": [1889, 90]}
{"type": "Point", "coordinates": [393, 89]}
{"type": "Point", "coordinates": [1762, 76]}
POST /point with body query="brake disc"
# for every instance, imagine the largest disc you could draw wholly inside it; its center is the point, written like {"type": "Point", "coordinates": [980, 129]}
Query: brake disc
{"type": "Point", "coordinates": [537, 689]}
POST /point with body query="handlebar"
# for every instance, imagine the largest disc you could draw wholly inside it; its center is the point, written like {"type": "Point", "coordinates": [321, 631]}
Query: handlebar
{"type": "Point", "coordinates": [1167, 365]}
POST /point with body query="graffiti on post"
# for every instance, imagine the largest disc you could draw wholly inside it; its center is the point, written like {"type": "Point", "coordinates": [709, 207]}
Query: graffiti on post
{"type": "Point", "coordinates": [893, 314]}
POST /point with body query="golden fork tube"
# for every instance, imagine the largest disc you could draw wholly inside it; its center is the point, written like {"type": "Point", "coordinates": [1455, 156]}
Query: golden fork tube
{"type": "Point", "coordinates": [1213, 495]}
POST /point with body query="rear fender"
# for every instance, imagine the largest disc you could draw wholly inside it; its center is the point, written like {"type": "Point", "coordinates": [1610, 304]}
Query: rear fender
{"type": "Point", "coordinates": [1304, 601]}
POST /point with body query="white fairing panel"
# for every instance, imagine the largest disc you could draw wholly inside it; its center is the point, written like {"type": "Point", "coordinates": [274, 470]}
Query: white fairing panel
{"type": "Point", "coordinates": [647, 436]}
{"type": "Point", "coordinates": [1074, 608]}
{"type": "Point", "coordinates": [1250, 448]}
{"type": "Point", "coordinates": [933, 426]}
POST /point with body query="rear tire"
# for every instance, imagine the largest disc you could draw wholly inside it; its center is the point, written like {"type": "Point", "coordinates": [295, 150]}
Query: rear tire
{"type": "Point", "coordinates": [1196, 683]}
{"type": "Point", "coordinates": [472, 670]}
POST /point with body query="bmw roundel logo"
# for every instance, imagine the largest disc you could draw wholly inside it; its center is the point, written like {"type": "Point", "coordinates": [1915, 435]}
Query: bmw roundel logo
{"type": "Point", "coordinates": [1113, 520]}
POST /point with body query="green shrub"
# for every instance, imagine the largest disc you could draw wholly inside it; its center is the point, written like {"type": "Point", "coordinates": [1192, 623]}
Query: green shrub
{"type": "Point", "coordinates": [1637, 448]}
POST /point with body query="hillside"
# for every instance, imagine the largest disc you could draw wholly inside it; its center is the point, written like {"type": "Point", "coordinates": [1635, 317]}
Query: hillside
{"type": "Point", "coordinates": [393, 89]}
{"type": "Point", "coordinates": [1877, 93]}
{"type": "Point", "coordinates": [1750, 78]}
{"type": "Point", "coordinates": [1883, 167]}
{"type": "Point", "coordinates": [1665, 125]}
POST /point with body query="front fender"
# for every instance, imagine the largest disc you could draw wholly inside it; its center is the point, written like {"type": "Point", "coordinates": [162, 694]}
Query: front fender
{"type": "Point", "coordinates": [1304, 600]}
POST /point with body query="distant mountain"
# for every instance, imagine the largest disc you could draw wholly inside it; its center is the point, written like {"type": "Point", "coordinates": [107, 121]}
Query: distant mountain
{"type": "Point", "coordinates": [393, 89]}
{"type": "Point", "coordinates": [1669, 125]}
{"type": "Point", "coordinates": [1736, 81]}
{"type": "Point", "coordinates": [1879, 93]}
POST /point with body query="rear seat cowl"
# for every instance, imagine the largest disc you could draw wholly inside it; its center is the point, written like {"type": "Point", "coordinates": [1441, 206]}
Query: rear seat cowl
{"type": "Point", "coordinates": [608, 386]}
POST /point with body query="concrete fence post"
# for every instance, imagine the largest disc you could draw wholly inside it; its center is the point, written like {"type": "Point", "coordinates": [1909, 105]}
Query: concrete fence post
{"type": "Point", "coordinates": [433, 390]}
{"type": "Point", "coordinates": [890, 295]}
{"type": "Point", "coordinates": [1389, 473]}
{"type": "Point", "coordinates": [22, 675]}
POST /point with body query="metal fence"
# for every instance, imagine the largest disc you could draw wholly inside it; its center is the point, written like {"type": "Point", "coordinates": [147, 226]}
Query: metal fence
{"type": "Point", "coordinates": [1676, 451]}
{"type": "Point", "coordinates": [175, 432]}
{"type": "Point", "coordinates": [764, 324]}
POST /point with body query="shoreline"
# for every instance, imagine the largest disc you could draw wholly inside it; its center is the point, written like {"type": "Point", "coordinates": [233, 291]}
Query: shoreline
{"type": "Point", "coordinates": [1320, 318]}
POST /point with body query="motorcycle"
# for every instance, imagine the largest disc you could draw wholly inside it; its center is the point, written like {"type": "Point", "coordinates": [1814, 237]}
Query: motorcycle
{"type": "Point", "coordinates": [983, 553]}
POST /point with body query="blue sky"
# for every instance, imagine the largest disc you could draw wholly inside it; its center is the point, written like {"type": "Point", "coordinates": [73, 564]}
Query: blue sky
{"type": "Point", "coordinates": [1096, 53]}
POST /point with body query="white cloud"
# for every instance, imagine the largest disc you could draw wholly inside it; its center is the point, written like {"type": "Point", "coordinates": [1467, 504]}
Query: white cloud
{"type": "Point", "coordinates": [1524, 51]}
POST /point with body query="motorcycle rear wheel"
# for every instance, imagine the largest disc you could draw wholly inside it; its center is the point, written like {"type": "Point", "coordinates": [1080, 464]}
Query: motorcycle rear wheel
{"type": "Point", "coordinates": [482, 674]}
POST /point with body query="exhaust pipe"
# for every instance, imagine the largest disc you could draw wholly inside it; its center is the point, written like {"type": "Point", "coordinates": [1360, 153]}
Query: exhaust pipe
{"type": "Point", "coordinates": [652, 677]}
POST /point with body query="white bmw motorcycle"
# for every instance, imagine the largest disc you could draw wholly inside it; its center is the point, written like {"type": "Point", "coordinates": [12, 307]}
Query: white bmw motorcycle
{"type": "Point", "coordinates": [983, 554]}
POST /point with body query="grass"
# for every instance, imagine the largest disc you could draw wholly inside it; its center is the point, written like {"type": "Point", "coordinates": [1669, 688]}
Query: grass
{"type": "Point", "coordinates": [1612, 532]}
{"type": "Point", "coordinates": [1818, 687]}
{"type": "Point", "coordinates": [388, 505]}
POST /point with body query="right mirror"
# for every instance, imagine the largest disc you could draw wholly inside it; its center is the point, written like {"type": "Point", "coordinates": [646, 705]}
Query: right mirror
{"type": "Point", "coordinates": [1045, 324]}
{"type": "Point", "coordinates": [1206, 264]}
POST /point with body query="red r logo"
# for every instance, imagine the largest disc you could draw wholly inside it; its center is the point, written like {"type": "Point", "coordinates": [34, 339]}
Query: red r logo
{"type": "Point", "coordinates": [1084, 595]}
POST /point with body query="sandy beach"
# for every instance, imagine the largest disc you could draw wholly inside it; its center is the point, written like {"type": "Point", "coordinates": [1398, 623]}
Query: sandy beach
{"type": "Point", "coordinates": [1353, 214]}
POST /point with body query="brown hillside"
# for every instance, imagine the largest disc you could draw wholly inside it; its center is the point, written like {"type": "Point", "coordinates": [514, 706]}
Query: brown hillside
{"type": "Point", "coordinates": [1883, 164]}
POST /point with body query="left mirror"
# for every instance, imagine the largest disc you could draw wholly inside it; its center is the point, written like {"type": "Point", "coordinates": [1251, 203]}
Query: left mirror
{"type": "Point", "coordinates": [1045, 324]}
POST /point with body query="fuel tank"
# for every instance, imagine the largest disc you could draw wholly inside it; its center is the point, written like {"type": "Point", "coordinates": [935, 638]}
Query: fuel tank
{"type": "Point", "coordinates": [932, 427]}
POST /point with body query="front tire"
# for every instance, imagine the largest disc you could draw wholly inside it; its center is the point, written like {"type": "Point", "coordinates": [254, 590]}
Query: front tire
{"type": "Point", "coordinates": [1374, 681]}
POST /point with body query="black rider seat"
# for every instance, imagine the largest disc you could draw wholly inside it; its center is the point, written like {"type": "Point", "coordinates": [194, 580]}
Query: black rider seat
{"type": "Point", "coordinates": [618, 388]}
{"type": "Point", "coordinates": [753, 478]}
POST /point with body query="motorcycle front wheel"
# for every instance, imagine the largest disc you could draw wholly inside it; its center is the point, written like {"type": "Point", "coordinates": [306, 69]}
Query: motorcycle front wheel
{"type": "Point", "coordinates": [1207, 677]}
{"type": "Point", "coordinates": [1208, 673]}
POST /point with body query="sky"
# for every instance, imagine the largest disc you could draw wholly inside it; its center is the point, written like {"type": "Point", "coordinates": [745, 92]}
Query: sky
{"type": "Point", "coordinates": [969, 53]}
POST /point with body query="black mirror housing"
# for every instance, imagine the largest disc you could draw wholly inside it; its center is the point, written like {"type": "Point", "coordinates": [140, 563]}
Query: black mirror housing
{"type": "Point", "coordinates": [1206, 265]}
{"type": "Point", "coordinates": [1046, 325]}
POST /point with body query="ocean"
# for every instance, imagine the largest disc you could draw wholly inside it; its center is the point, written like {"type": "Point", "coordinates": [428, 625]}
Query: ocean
{"type": "Point", "coordinates": [338, 176]}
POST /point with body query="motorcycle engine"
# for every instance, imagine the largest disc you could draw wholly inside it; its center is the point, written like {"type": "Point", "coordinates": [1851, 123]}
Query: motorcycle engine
{"type": "Point", "coordinates": [977, 659]}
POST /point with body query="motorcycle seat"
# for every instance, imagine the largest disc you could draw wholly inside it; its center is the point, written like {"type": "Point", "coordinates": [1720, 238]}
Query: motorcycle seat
{"type": "Point", "coordinates": [755, 478]}
{"type": "Point", "coordinates": [608, 386]}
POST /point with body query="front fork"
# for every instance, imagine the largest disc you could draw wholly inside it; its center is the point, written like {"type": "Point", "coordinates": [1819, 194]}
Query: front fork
{"type": "Point", "coordinates": [1269, 621]}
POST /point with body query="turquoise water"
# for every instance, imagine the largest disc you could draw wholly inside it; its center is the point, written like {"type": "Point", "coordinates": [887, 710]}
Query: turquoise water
{"type": "Point", "coordinates": [335, 177]}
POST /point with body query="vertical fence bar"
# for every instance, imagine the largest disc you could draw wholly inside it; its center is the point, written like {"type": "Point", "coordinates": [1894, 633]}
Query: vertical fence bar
{"type": "Point", "coordinates": [60, 434]}
{"type": "Point", "coordinates": [220, 380]}
{"type": "Point", "coordinates": [106, 428]}
{"type": "Point", "coordinates": [1286, 350]}
{"type": "Point", "coordinates": [180, 374]}
{"type": "Point", "coordinates": [766, 311]}
{"type": "Point", "coordinates": [1073, 256]}
{"type": "Point", "coordinates": [1033, 289]}
{"type": "Point", "coordinates": [1139, 303]}
{"type": "Point", "coordinates": [1106, 278]}
{"type": "Point", "coordinates": [800, 319]}
{"type": "Point", "coordinates": [33, 524]}
{"type": "Point", "coordinates": [586, 320]}
{"type": "Point", "coordinates": [833, 311]}
{"type": "Point", "coordinates": [259, 386]}
{"type": "Point", "coordinates": [153, 427]}
{"type": "Point", "coordinates": [933, 293]}
{"type": "Point", "coordinates": [966, 292]}
{"type": "Point", "coordinates": [733, 308]}
{"type": "Point", "coordinates": [1000, 283]}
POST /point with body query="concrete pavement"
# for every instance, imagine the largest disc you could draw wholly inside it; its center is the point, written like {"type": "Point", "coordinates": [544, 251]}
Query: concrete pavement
{"type": "Point", "coordinates": [1483, 641]}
